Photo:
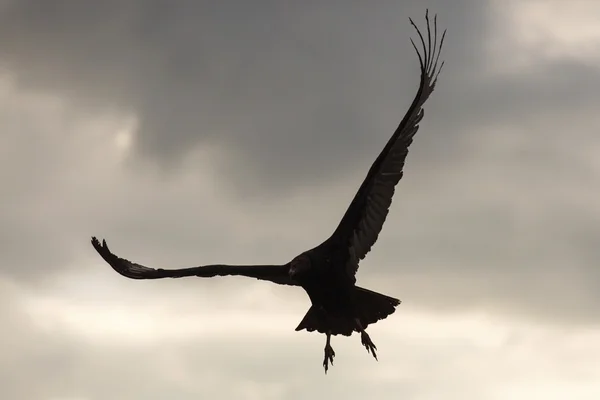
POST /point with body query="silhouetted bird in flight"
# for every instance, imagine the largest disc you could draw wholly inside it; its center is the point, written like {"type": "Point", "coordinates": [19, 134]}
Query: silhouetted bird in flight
{"type": "Point", "coordinates": [327, 272]}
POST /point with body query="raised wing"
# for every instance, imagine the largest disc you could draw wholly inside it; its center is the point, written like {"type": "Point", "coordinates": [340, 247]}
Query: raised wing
{"type": "Point", "coordinates": [363, 221]}
{"type": "Point", "coordinates": [274, 273]}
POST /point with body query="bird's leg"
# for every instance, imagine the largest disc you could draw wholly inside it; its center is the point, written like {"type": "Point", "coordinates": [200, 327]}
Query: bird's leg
{"type": "Point", "coordinates": [365, 339]}
{"type": "Point", "coordinates": [329, 353]}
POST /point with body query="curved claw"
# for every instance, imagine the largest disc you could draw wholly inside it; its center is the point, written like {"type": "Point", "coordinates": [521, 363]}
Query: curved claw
{"type": "Point", "coordinates": [369, 345]}
{"type": "Point", "coordinates": [329, 355]}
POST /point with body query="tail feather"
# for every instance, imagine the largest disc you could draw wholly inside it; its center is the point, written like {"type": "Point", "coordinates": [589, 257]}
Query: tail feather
{"type": "Point", "coordinates": [373, 306]}
{"type": "Point", "coordinates": [370, 307]}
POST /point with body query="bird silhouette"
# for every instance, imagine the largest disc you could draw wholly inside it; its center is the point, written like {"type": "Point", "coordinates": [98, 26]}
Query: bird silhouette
{"type": "Point", "coordinates": [327, 272]}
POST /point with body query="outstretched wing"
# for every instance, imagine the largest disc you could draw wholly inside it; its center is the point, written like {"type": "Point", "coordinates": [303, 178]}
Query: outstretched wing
{"type": "Point", "coordinates": [363, 221]}
{"type": "Point", "coordinates": [274, 273]}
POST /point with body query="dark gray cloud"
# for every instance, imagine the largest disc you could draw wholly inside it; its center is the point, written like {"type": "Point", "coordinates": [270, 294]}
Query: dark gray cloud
{"type": "Point", "coordinates": [273, 91]}
{"type": "Point", "coordinates": [297, 94]}
{"type": "Point", "coordinates": [291, 90]}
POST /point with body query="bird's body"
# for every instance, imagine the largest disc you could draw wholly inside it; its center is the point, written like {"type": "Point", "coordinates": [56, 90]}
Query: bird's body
{"type": "Point", "coordinates": [336, 299]}
{"type": "Point", "coordinates": [327, 272]}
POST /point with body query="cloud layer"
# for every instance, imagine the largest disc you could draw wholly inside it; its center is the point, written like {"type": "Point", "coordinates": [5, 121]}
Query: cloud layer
{"type": "Point", "coordinates": [189, 133]}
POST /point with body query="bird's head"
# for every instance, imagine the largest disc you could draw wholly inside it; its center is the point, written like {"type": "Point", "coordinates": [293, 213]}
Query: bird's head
{"type": "Point", "coordinates": [299, 266]}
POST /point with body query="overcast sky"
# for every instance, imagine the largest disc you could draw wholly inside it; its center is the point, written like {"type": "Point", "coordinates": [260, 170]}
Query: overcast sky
{"type": "Point", "coordinates": [188, 133]}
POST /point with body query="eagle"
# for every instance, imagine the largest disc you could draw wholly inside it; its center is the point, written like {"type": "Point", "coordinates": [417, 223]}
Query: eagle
{"type": "Point", "coordinates": [327, 272]}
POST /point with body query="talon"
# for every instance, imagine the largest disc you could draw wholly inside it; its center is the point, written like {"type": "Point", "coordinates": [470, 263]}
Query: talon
{"type": "Point", "coordinates": [329, 355]}
{"type": "Point", "coordinates": [369, 345]}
